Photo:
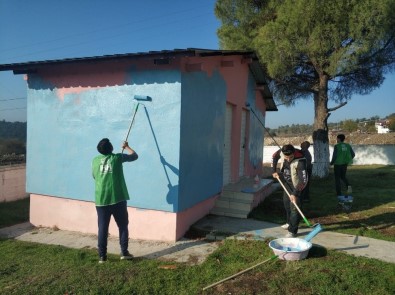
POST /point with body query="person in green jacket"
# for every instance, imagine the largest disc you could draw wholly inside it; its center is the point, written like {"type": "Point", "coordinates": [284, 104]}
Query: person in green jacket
{"type": "Point", "coordinates": [111, 195]}
{"type": "Point", "coordinates": [342, 157]}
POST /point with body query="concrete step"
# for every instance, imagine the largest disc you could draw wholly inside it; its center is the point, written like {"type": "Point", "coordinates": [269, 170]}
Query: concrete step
{"type": "Point", "coordinates": [238, 199]}
{"type": "Point", "coordinates": [238, 196]}
{"type": "Point", "coordinates": [229, 203]}
{"type": "Point", "coordinates": [230, 212]}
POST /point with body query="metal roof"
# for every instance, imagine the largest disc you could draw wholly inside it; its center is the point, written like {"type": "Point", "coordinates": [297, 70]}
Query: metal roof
{"type": "Point", "coordinates": [255, 66]}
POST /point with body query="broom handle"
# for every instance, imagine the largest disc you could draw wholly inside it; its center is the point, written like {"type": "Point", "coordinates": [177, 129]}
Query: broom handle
{"type": "Point", "coordinates": [239, 273]}
{"type": "Point", "coordinates": [296, 206]}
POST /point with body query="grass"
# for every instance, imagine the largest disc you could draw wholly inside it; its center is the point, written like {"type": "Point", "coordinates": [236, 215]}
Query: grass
{"type": "Point", "coordinates": [372, 213]}
{"type": "Point", "coordinates": [30, 268]}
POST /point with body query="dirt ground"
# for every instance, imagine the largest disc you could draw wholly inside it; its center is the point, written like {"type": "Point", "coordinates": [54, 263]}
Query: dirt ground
{"type": "Point", "coordinates": [352, 138]}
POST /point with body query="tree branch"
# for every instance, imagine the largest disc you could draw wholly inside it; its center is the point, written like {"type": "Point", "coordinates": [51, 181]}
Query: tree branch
{"type": "Point", "coordinates": [337, 107]}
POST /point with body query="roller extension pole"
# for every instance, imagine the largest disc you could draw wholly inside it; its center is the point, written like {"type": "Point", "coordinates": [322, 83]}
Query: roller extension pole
{"type": "Point", "coordinates": [137, 98]}
{"type": "Point", "coordinates": [131, 123]}
{"type": "Point", "coordinates": [263, 125]}
{"type": "Point", "coordinates": [296, 206]}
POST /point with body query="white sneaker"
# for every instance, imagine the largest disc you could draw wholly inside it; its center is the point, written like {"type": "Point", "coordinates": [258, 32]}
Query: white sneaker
{"type": "Point", "coordinates": [290, 235]}
{"type": "Point", "coordinates": [285, 226]}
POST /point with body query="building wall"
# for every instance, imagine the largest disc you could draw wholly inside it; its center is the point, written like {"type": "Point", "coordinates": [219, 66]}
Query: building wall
{"type": "Point", "coordinates": [144, 224]}
{"type": "Point", "coordinates": [256, 130]}
{"type": "Point", "coordinates": [202, 129]}
{"type": "Point", "coordinates": [178, 136]}
{"type": "Point", "coordinates": [67, 120]}
{"type": "Point", "coordinates": [207, 86]}
{"type": "Point", "coordinates": [12, 183]}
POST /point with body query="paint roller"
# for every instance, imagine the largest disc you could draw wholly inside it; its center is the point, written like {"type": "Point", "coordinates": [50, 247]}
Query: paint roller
{"type": "Point", "coordinates": [138, 98]}
{"type": "Point", "coordinates": [143, 98]}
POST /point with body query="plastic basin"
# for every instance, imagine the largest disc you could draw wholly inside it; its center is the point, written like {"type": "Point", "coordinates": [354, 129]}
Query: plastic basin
{"type": "Point", "coordinates": [290, 248]}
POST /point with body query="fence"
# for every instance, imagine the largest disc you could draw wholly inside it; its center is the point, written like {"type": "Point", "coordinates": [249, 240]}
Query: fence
{"type": "Point", "coordinates": [12, 182]}
{"type": "Point", "coordinates": [365, 154]}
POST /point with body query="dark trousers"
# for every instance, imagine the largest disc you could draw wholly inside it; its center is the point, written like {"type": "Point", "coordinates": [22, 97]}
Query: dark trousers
{"type": "Point", "coordinates": [293, 217]}
{"type": "Point", "coordinates": [120, 213]}
{"type": "Point", "coordinates": [340, 175]}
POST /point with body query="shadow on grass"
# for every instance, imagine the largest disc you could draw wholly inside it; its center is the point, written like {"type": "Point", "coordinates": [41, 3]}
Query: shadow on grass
{"type": "Point", "coordinates": [317, 251]}
{"type": "Point", "coordinates": [383, 222]}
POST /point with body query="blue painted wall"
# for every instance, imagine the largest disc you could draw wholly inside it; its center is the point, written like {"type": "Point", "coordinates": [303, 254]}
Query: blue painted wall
{"type": "Point", "coordinates": [256, 130]}
{"type": "Point", "coordinates": [178, 136]}
{"type": "Point", "coordinates": [202, 137]}
{"type": "Point", "coordinates": [62, 137]}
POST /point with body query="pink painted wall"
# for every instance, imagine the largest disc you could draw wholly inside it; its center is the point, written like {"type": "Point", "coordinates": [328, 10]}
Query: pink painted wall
{"type": "Point", "coordinates": [74, 215]}
{"type": "Point", "coordinates": [12, 183]}
{"type": "Point", "coordinates": [236, 73]}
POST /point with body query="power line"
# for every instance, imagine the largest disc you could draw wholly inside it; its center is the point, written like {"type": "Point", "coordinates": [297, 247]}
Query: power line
{"type": "Point", "coordinates": [12, 99]}
{"type": "Point", "coordinates": [12, 109]}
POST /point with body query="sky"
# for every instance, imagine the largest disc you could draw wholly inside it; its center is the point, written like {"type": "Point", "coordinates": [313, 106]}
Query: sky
{"type": "Point", "coordinates": [46, 29]}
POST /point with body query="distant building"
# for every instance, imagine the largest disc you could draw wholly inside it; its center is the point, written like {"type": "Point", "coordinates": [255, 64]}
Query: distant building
{"type": "Point", "coordinates": [382, 126]}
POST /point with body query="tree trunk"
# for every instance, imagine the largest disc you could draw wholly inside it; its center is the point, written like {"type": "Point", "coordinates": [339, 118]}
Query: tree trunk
{"type": "Point", "coordinates": [320, 133]}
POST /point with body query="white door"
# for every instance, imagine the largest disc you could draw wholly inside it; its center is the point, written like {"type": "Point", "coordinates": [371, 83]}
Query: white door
{"type": "Point", "coordinates": [243, 142]}
{"type": "Point", "coordinates": [227, 144]}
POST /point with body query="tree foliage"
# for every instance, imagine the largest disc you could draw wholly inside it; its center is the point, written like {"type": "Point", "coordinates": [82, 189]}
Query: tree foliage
{"type": "Point", "coordinates": [391, 119]}
{"type": "Point", "coordinates": [313, 49]}
{"type": "Point", "coordinates": [13, 130]}
{"type": "Point", "coordinates": [349, 125]}
{"type": "Point", "coordinates": [12, 146]}
{"type": "Point", "coordinates": [351, 43]}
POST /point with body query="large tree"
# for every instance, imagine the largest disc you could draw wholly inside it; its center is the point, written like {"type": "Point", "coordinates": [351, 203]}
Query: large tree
{"type": "Point", "coordinates": [314, 49]}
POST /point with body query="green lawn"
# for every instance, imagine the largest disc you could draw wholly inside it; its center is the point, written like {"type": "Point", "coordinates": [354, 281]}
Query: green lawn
{"type": "Point", "coordinates": [373, 209]}
{"type": "Point", "coordinates": [29, 268]}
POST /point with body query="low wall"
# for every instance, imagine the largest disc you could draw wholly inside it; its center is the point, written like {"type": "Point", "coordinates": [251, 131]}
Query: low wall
{"type": "Point", "coordinates": [365, 154]}
{"type": "Point", "coordinates": [12, 183]}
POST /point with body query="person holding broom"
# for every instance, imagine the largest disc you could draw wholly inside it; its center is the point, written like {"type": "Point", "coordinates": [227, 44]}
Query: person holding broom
{"type": "Point", "coordinates": [111, 195]}
{"type": "Point", "coordinates": [294, 177]}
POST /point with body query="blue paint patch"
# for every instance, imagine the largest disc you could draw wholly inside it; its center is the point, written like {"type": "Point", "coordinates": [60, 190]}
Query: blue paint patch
{"type": "Point", "coordinates": [255, 145]}
{"type": "Point", "coordinates": [202, 137]}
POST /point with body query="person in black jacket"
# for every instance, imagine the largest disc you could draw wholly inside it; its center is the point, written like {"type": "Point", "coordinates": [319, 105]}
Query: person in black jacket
{"type": "Point", "coordinates": [294, 177]}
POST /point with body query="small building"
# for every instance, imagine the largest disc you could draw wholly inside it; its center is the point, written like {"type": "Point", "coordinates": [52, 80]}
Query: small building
{"type": "Point", "coordinates": [195, 136]}
{"type": "Point", "coordinates": [382, 126]}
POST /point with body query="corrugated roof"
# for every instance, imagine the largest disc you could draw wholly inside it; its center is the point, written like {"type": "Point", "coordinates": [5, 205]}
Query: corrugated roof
{"type": "Point", "coordinates": [255, 66]}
